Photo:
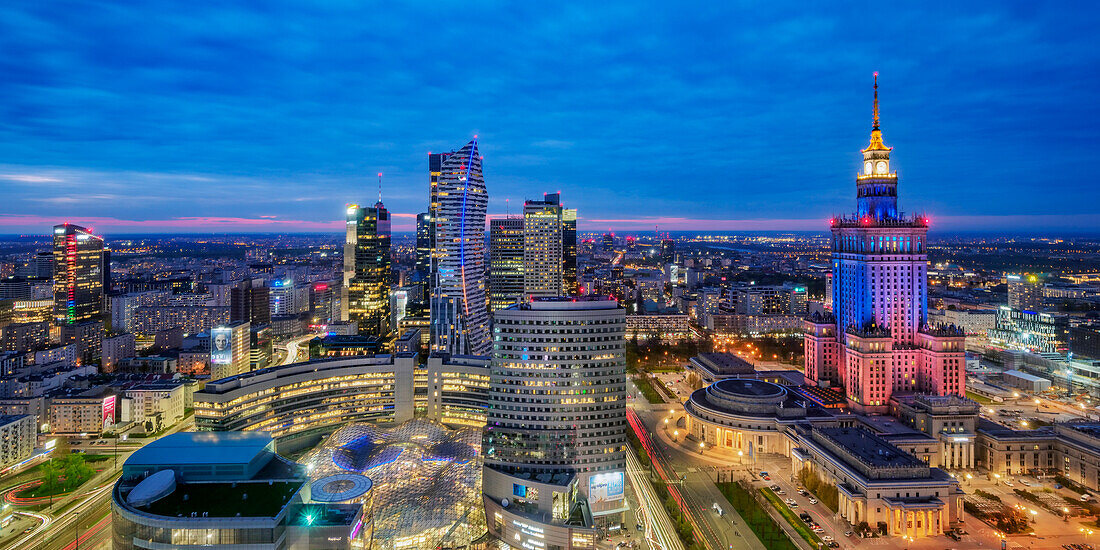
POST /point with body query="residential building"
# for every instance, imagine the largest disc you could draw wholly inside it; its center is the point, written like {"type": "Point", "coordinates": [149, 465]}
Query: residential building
{"type": "Point", "coordinates": [89, 411]}
{"type": "Point", "coordinates": [160, 404]}
{"type": "Point", "coordinates": [115, 348]}
{"type": "Point", "coordinates": [18, 435]}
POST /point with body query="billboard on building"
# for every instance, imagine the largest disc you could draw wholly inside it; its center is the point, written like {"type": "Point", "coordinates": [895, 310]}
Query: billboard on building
{"type": "Point", "coordinates": [221, 346]}
{"type": "Point", "coordinates": [605, 487]}
{"type": "Point", "coordinates": [108, 412]}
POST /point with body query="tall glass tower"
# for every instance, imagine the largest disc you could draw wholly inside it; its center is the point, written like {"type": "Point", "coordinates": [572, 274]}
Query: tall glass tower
{"type": "Point", "coordinates": [459, 308]}
{"type": "Point", "coordinates": [78, 258]}
{"type": "Point", "coordinates": [367, 268]}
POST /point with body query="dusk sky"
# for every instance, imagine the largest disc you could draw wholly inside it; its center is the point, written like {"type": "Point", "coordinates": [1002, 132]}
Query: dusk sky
{"type": "Point", "coordinates": [184, 116]}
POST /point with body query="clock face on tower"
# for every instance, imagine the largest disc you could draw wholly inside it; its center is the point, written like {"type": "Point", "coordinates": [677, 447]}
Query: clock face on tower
{"type": "Point", "coordinates": [880, 168]}
{"type": "Point", "coordinates": [867, 168]}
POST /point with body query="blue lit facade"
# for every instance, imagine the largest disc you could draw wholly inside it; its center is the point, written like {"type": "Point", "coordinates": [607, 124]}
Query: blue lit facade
{"type": "Point", "coordinates": [876, 342]}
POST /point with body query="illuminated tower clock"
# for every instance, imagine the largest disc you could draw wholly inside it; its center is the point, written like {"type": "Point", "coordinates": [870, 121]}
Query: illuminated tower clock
{"type": "Point", "coordinates": [877, 187]}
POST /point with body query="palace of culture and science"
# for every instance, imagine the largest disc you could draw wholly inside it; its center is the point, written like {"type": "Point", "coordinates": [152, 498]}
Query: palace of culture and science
{"type": "Point", "coordinates": [877, 341]}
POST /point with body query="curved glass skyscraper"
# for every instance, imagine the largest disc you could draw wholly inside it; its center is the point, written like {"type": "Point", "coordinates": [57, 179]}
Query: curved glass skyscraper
{"type": "Point", "coordinates": [459, 311]}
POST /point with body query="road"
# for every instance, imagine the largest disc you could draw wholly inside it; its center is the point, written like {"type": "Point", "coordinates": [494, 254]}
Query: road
{"type": "Point", "coordinates": [659, 530]}
{"type": "Point", "coordinates": [291, 346]}
{"type": "Point", "coordinates": [90, 516]}
{"type": "Point", "coordinates": [690, 483]}
{"type": "Point", "coordinates": [87, 510]}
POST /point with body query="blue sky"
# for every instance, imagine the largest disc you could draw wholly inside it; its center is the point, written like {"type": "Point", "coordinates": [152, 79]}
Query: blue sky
{"type": "Point", "coordinates": [270, 116]}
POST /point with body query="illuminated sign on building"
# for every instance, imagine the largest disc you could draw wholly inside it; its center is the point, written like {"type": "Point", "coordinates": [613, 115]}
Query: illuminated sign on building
{"type": "Point", "coordinates": [221, 346]}
{"type": "Point", "coordinates": [605, 487]}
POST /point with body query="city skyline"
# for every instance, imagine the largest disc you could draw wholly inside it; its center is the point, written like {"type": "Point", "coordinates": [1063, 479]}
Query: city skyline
{"type": "Point", "coordinates": [206, 129]}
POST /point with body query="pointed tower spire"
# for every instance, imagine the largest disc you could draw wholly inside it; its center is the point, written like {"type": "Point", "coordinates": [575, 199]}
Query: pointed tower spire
{"type": "Point", "coordinates": [874, 126]}
{"type": "Point", "coordinates": [380, 187]}
{"type": "Point", "coordinates": [876, 134]}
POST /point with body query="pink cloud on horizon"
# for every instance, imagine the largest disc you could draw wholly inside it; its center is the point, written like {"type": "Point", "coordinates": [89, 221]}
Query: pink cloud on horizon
{"type": "Point", "coordinates": [267, 223]}
{"type": "Point", "coordinates": [182, 222]}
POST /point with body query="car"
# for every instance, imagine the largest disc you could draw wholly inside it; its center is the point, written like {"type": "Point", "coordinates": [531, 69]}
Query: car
{"type": "Point", "coordinates": [767, 478]}
{"type": "Point", "coordinates": [803, 492]}
{"type": "Point", "coordinates": [805, 517]}
{"type": "Point", "coordinates": [954, 536]}
{"type": "Point", "coordinates": [763, 474]}
{"type": "Point", "coordinates": [818, 530]}
{"type": "Point", "coordinates": [1009, 483]}
{"type": "Point", "coordinates": [717, 508]}
{"type": "Point", "coordinates": [833, 544]}
{"type": "Point", "coordinates": [847, 533]}
{"type": "Point", "coordinates": [791, 503]}
{"type": "Point", "coordinates": [827, 538]}
{"type": "Point", "coordinates": [813, 500]}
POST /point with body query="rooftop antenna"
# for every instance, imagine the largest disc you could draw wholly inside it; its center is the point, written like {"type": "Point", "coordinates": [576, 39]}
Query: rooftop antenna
{"type": "Point", "coordinates": [380, 188]}
{"type": "Point", "coordinates": [507, 208]}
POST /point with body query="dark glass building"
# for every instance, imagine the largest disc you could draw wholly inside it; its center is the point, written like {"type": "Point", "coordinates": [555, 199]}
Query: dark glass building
{"type": "Point", "coordinates": [78, 274]}
{"type": "Point", "coordinates": [367, 268]}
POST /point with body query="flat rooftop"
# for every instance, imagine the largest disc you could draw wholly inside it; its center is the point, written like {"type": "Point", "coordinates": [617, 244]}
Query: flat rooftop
{"type": "Point", "coordinates": [202, 448]}
{"type": "Point", "coordinates": [870, 448]}
{"type": "Point", "coordinates": [753, 388]}
{"type": "Point", "coordinates": [222, 500]}
{"type": "Point", "coordinates": [723, 363]}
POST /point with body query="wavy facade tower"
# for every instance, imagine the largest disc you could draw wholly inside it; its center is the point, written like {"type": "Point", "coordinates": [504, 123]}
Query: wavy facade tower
{"type": "Point", "coordinates": [877, 341]}
{"type": "Point", "coordinates": [459, 309]}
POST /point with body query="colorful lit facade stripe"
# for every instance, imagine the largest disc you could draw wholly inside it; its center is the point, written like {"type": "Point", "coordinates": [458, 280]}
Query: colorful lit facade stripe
{"type": "Point", "coordinates": [78, 274]}
{"type": "Point", "coordinates": [877, 341]}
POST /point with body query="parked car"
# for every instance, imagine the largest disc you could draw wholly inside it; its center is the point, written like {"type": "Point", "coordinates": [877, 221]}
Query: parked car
{"type": "Point", "coordinates": [1009, 483]}
{"type": "Point", "coordinates": [813, 500]}
{"type": "Point", "coordinates": [763, 474]}
{"type": "Point", "coordinates": [818, 529]}
{"type": "Point", "coordinates": [827, 538]}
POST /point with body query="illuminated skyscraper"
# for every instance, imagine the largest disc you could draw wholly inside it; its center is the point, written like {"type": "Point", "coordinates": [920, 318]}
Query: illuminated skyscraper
{"type": "Point", "coordinates": [78, 274]}
{"type": "Point", "coordinates": [1025, 292]}
{"type": "Point", "coordinates": [877, 341]}
{"type": "Point", "coordinates": [459, 309]}
{"type": "Point", "coordinates": [555, 432]}
{"type": "Point", "coordinates": [505, 262]}
{"type": "Point", "coordinates": [423, 266]}
{"type": "Point", "coordinates": [549, 248]}
{"type": "Point", "coordinates": [366, 289]}
{"type": "Point", "coordinates": [435, 171]}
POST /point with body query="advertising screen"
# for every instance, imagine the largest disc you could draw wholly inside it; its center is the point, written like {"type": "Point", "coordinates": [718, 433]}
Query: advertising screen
{"type": "Point", "coordinates": [605, 487]}
{"type": "Point", "coordinates": [221, 346]}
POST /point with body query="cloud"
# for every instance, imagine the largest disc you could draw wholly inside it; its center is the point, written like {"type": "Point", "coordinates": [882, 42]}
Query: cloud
{"type": "Point", "coordinates": [29, 178]}
{"type": "Point", "coordinates": [721, 114]}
